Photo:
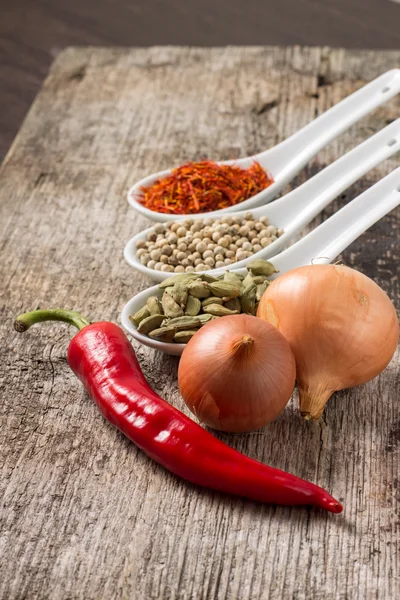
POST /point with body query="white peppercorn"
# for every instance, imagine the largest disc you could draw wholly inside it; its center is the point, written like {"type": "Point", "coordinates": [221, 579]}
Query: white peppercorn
{"type": "Point", "coordinates": [151, 264]}
{"type": "Point", "coordinates": [140, 244]}
{"type": "Point", "coordinates": [201, 247]}
{"type": "Point", "coordinates": [179, 269]}
{"type": "Point", "coordinates": [167, 268]}
{"type": "Point", "coordinates": [181, 231]}
{"type": "Point", "coordinates": [172, 238]}
{"type": "Point", "coordinates": [240, 255]}
{"type": "Point", "coordinates": [174, 227]}
{"type": "Point", "coordinates": [181, 255]}
{"type": "Point", "coordinates": [144, 259]}
{"type": "Point", "coordinates": [228, 261]}
{"type": "Point", "coordinates": [219, 250]}
{"type": "Point", "coordinates": [219, 264]}
{"type": "Point", "coordinates": [198, 261]}
{"type": "Point", "coordinates": [196, 255]}
{"type": "Point", "coordinates": [247, 246]}
{"type": "Point", "coordinates": [152, 236]}
{"type": "Point", "coordinates": [140, 252]}
{"type": "Point", "coordinates": [265, 242]}
{"type": "Point", "coordinates": [164, 259]}
{"type": "Point", "coordinates": [201, 267]}
{"type": "Point", "coordinates": [155, 255]}
{"type": "Point", "coordinates": [229, 254]}
{"type": "Point", "coordinates": [257, 248]}
{"type": "Point", "coordinates": [271, 230]}
{"type": "Point", "coordinates": [216, 235]}
{"type": "Point", "coordinates": [182, 247]}
{"type": "Point", "coordinates": [219, 257]}
{"type": "Point", "coordinates": [280, 232]}
{"type": "Point", "coordinates": [209, 261]}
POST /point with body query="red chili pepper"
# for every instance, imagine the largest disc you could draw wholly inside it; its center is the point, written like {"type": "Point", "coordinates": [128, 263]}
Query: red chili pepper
{"type": "Point", "coordinates": [104, 360]}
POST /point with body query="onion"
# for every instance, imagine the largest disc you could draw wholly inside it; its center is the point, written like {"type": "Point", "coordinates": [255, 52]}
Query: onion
{"type": "Point", "coordinates": [237, 373]}
{"type": "Point", "coordinates": [341, 326]}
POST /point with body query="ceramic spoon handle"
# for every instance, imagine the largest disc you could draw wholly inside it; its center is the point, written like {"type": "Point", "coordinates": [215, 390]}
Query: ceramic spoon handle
{"type": "Point", "coordinates": [328, 240]}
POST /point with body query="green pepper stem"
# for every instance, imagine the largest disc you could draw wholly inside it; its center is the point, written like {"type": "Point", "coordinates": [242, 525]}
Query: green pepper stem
{"type": "Point", "coordinates": [23, 322]}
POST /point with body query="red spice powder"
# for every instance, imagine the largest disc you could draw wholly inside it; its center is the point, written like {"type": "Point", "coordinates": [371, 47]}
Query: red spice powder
{"type": "Point", "coordinates": [198, 187]}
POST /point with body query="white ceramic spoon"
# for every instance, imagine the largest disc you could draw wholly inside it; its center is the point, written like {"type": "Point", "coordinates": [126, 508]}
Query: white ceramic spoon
{"type": "Point", "coordinates": [322, 246]}
{"type": "Point", "coordinates": [286, 159]}
{"type": "Point", "coordinates": [296, 209]}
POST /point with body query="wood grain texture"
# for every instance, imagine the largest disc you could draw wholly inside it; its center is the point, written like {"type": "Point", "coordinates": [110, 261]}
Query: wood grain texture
{"type": "Point", "coordinates": [84, 513]}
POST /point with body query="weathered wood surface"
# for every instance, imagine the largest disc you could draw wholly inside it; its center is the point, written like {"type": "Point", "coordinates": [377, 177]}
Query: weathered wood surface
{"type": "Point", "coordinates": [84, 513]}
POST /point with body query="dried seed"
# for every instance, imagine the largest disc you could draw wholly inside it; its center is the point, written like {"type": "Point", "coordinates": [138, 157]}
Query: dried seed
{"type": "Point", "coordinates": [248, 280]}
{"type": "Point", "coordinates": [208, 278]}
{"type": "Point", "coordinates": [258, 279]}
{"type": "Point", "coordinates": [199, 289]}
{"type": "Point", "coordinates": [248, 299]}
{"type": "Point", "coordinates": [261, 267]}
{"type": "Point", "coordinates": [261, 289]}
{"type": "Point", "coordinates": [154, 306]}
{"type": "Point", "coordinates": [184, 323]}
{"type": "Point", "coordinates": [141, 314]}
{"type": "Point", "coordinates": [232, 278]}
{"type": "Point", "coordinates": [193, 306]}
{"type": "Point", "coordinates": [204, 318]}
{"type": "Point", "coordinates": [179, 293]}
{"type": "Point", "coordinates": [171, 308]}
{"type": "Point", "coordinates": [219, 311]}
{"type": "Point", "coordinates": [163, 334]}
{"type": "Point", "coordinates": [150, 323]}
{"type": "Point", "coordinates": [233, 304]}
{"type": "Point", "coordinates": [182, 337]}
{"type": "Point", "coordinates": [223, 289]}
{"type": "Point", "coordinates": [212, 300]}
{"type": "Point", "coordinates": [170, 281]}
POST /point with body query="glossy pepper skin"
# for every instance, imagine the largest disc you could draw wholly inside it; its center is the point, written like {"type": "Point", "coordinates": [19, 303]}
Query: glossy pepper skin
{"type": "Point", "coordinates": [103, 359]}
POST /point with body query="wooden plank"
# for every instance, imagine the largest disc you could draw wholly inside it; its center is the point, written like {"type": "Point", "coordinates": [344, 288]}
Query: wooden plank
{"type": "Point", "coordinates": [87, 515]}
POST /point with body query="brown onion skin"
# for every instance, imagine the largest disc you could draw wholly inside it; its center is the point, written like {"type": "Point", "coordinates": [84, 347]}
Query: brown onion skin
{"type": "Point", "coordinates": [233, 386]}
{"type": "Point", "coordinates": [342, 328]}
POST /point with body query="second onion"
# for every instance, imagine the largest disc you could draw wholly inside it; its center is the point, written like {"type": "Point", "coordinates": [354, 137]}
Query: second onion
{"type": "Point", "coordinates": [237, 373]}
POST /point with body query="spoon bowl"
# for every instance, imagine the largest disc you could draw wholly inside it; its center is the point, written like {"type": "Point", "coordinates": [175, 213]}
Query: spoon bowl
{"type": "Point", "coordinates": [285, 160]}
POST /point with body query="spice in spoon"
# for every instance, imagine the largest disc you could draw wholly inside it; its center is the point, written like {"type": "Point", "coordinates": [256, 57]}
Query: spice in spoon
{"type": "Point", "coordinates": [202, 244]}
{"type": "Point", "coordinates": [199, 187]}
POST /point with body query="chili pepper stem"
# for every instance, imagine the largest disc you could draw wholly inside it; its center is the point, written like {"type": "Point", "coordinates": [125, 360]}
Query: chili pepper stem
{"type": "Point", "coordinates": [26, 320]}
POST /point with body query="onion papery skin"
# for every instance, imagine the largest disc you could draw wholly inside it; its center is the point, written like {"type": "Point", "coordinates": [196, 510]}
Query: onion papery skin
{"type": "Point", "coordinates": [237, 373]}
{"type": "Point", "coordinates": [341, 326]}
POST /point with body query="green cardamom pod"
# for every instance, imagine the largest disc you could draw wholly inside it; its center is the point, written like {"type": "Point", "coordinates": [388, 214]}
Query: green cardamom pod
{"type": "Point", "coordinates": [232, 278]}
{"type": "Point", "coordinates": [248, 280]}
{"type": "Point", "coordinates": [170, 307]}
{"type": "Point", "coordinates": [257, 279]}
{"type": "Point", "coordinates": [154, 306]}
{"type": "Point", "coordinates": [193, 306]}
{"type": "Point", "coordinates": [141, 314]}
{"type": "Point", "coordinates": [179, 293]}
{"type": "Point", "coordinates": [212, 300]}
{"type": "Point", "coordinates": [199, 289]}
{"type": "Point", "coordinates": [150, 323]}
{"type": "Point", "coordinates": [208, 278]}
{"type": "Point", "coordinates": [261, 267]}
{"type": "Point", "coordinates": [163, 334]}
{"type": "Point", "coordinates": [261, 289]}
{"type": "Point", "coordinates": [186, 277]}
{"type": "Point", "coordinates": [233, 304]}
{"type": "Point", "coordinates": [204, 318]}
{"type": "Point", "coordinates": [184, 323]}
{"type": "Point", "coordinates": [248, 299]}
{"type": "Point", "coordinates": [183, 337]}
{"type": "Point", "coordinates": [219, 311]}
{"type": "Point", "coordinates": [222, 289]}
